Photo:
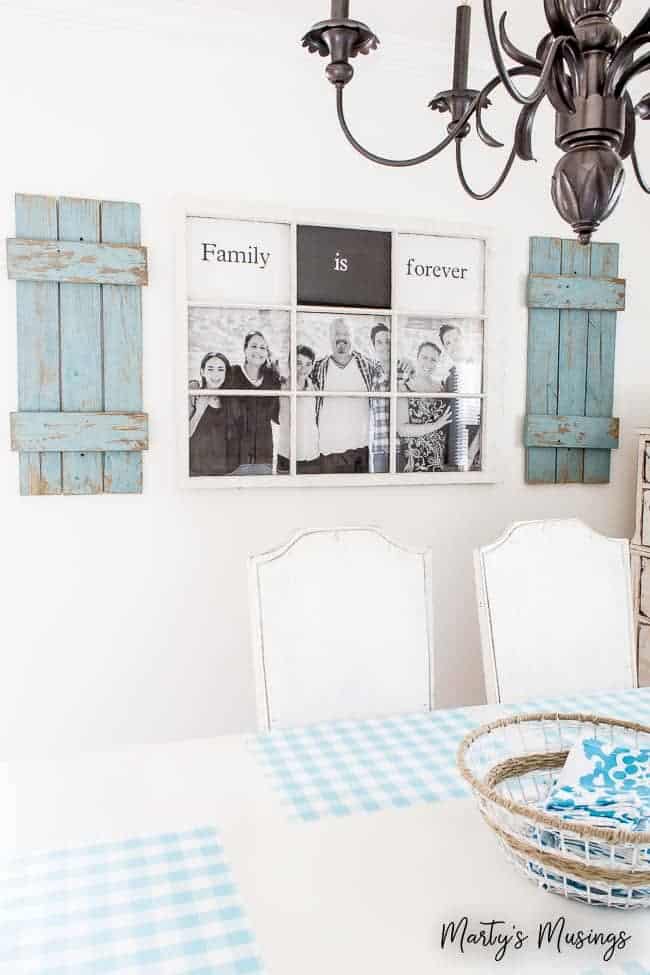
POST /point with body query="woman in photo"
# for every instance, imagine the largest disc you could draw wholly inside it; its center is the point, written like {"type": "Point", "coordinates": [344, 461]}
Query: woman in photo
{"type": "Point", "coordinates": [307, 444]}
{"type": "Point", "coordinates": [252, 416]}
{"type": "Point", "coordinates": [210, 448]}
{"type": "Point", "coordinates": [422, 423]}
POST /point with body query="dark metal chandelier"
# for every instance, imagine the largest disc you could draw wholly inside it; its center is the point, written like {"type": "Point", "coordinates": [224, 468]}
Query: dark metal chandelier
{"type": "Point", "coordinates": [583, 65]}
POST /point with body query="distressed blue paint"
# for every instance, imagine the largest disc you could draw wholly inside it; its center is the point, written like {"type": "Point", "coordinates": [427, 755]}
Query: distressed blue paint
{"type": "Point", "coordinates": [571, 358]}
{"type": "Point", "coordinates": [78, 431]}
{"type": "Point", "coordinates": [543, 332]}
{"type": "Point", "coordinates": [601, 349]}
{"type": "Point", "coordinates": [122, 313]}
{"type": "Point", "coordinates": [576, 291]}
{"type": "Point", "coordinates": [37, 317]}
{"type": "Point", "coordinates": [572, 362]}
{"type": "Point", "coordinates": [598, 433]}
{"type": "Point", "coordinates": [76, 262]}
{"type": "Point", "coordinates": [81, 347]}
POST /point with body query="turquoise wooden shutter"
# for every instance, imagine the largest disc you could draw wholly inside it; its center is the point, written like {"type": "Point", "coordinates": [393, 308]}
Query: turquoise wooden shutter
{"type": "Point", "coordinates": [79, 268]}
{"type": "Point", "coordinates": [573, 296]}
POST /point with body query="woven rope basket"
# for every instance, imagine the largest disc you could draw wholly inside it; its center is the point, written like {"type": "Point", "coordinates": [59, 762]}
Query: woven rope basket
{"type": "Point", "coordinates": [511, 766]}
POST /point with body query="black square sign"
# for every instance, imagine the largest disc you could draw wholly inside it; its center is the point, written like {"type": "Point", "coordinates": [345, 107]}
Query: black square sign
{"type": "Point", "coordinates": [344, 267]}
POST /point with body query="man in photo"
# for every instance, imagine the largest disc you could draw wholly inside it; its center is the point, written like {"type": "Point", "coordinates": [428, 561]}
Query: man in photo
{"type": "Point", "coordinates": [380, 408]}
{"type": "Point", "coordinates": [464, 377]}
{"type": "Point", "coordinates": [343, 421]}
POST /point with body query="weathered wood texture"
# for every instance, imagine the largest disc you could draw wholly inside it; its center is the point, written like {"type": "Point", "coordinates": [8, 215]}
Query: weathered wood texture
{"type": "Point", "coordinates": [601, 354]}
{"type": "Point", "coordinates": [568, 290]}
{"type": "Point", "coordinates": [79, 338]}
{"type": "Point", "coordinates": [571, 341]}
{"type": "Point", "coordinates": [37, 319]}
{"type": "Point", "coordinates": [76, 262]}
{"type": "Point", "coordinates": [122, 311]}
{"type": "Point", "coordinates": [598, 433]}
{"type": "Point", "coordinates": [543, 352]}
{"type": "Point", "coordinates": [76, 432]}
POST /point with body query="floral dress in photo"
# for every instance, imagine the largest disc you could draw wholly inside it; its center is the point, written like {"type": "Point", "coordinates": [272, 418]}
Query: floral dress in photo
{"type": "Point", "coordinates": [425, 453]}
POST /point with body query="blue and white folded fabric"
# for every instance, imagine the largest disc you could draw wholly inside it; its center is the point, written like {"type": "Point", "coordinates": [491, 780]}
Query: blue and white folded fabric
{"type": "Point", "coordinates": [604, 785]}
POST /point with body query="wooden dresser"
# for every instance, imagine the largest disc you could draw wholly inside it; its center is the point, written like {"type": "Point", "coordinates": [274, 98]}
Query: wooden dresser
{"type": "Point", "coordinates": [641, 557]}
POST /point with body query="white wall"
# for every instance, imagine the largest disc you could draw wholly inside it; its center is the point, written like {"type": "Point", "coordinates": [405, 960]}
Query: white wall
{"type": "Point", "coordinates": [124, 619]}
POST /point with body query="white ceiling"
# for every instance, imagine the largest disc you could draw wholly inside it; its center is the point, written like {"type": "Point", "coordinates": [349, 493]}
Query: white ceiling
{"type": "Point", "coordinates": [430, 21]}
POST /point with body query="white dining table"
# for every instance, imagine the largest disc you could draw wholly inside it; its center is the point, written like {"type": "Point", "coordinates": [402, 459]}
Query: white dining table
{"type": "Point", "coordinates": [363, 892]}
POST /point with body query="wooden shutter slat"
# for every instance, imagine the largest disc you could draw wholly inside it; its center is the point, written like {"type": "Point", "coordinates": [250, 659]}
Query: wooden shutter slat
{"type": "Point", "coordinates": [81, 344]}
{"type": "Point", "coordinates": [78, 432]}
{"type": "Point", "coordinates": [577, 291]}
{"type": "Point", "coordinates": [543, 336]}
{"type": "Point", "coordinates": [76, 262]}
{"type": "Point", "coordinates": [601, 352]}
{"type": "Point", "coordinates": [572, 364]}
{"type": "Point", "coordinates": [122, 311]}
{"type": "Point", "coordinates": [37, 319]}
{"type": "Point", "coordinates": [567, 432]}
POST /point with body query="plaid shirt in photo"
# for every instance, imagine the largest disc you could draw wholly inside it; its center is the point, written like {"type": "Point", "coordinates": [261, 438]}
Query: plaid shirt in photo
{"type": "Point", "coordinates": [380, 416]}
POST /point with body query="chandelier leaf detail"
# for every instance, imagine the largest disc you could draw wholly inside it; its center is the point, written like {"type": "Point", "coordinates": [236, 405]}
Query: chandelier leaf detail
{"type": "Point", "coordinates": [583, 66]}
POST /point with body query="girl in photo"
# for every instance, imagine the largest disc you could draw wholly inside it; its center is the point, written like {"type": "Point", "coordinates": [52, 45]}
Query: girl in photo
{"type": "Point", "coordinates": [210, 450]}
{"type": "Point", "coordinates": [252, 416]}
{"type": "Point", "coordinates": [422, 423]}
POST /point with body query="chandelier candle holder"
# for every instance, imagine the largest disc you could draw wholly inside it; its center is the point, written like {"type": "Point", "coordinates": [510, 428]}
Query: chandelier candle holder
{"type": "Point", "coordinates": [583, 66]}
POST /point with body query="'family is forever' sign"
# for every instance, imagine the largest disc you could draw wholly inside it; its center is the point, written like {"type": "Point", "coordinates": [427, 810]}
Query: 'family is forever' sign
{"type": "Point", "coordinates": [249, 262]}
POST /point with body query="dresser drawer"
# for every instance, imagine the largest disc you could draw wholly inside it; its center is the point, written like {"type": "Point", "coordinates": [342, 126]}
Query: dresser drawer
{"type": "Point", "coordinates": [645, 518]}
{"type": "Point", "coordinates": [646, 462]}
{"type": "Point", "coordinates": [644, 587]}
{"type": "Point", "coordinates": [644, 656]}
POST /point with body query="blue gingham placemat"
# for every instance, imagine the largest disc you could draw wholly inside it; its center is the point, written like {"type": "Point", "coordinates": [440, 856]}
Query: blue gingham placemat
{"type": "Point", "coordinates": [163, 904]}
{"type": "Point", "coordinates": [341, 767]}
{"type": "Point", "coordinates": [337, 768]}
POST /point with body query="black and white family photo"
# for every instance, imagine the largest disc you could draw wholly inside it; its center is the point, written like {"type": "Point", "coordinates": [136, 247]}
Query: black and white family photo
{"type": "Point", "coordinates": [343, 381]}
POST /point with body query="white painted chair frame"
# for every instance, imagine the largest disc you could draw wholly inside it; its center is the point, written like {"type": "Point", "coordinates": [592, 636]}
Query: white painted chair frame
{"type": "Point", "coordinates": [261, 652]}
{"type": "Point", "coordinates": [498, 689]}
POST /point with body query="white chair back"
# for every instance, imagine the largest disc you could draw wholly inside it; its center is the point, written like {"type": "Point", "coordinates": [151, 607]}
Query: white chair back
{"type": "Point", "coordinates": [342, 628]}
{"type": "Point", "coordinates": [555, 607]}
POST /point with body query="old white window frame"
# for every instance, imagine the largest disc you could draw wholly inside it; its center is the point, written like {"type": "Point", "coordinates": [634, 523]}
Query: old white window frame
{"type": "Point", "coordinates": [189, 207]}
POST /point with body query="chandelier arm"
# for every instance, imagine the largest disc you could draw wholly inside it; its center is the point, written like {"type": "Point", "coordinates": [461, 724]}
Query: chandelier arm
{"type": "Point", "coordinates": [454, 131]}
{"type": "Point", "coordinates": [642, 27]}
{"type": "Point", "coordinates": [483, 133]}
{"type": "Point", "coordinates": [530, 70]}
{"type": "Point", "coordinates": [623, 61]}
{"type": "Point", "coordinates": [629, 135]}
{"type": "Point", "coordinates": [643, 183]}
{"type": "Point", "coordinates": [513, 52]}
{"type": "Point", "coordinates": [524, 131]}
{"type": "Point", "coordinates": [546, 68]}
{"type": "Point", "coordinates": [494, 189]}
{"type": "Point", "coordinates": [638, 67]}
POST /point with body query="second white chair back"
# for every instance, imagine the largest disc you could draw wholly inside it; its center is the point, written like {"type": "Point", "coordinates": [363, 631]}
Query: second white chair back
{"type": "Point", "coordinates": [342, 628]}
{"type": "Point", "coordinates": [555, 606]}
